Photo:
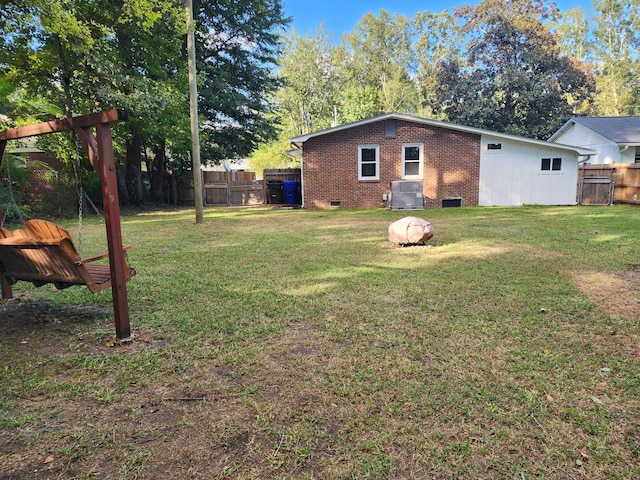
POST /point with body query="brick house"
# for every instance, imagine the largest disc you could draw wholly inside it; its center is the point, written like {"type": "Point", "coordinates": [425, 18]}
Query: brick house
{"type": "Point", "coordinates": [353, 165]}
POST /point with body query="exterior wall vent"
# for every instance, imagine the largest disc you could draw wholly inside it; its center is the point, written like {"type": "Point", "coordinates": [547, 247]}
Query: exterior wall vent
{"type": "Point", "coordinates": [407, 195]}
{"type": "Point", "coordinates": [390, 128]}
{"type": "Point", "coordinates": [451, 202]}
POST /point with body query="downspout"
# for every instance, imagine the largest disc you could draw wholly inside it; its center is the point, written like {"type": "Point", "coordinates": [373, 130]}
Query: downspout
{"type": "Point", "coordinates": [301, 175]}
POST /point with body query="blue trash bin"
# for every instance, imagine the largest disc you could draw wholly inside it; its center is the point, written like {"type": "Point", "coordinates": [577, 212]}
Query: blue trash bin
{"type": "Point", "coordinates": [291, 192]}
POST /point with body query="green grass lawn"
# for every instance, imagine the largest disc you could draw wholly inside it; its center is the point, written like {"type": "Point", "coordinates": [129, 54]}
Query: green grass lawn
{"type": "Point", "coordinates": [302, 344]}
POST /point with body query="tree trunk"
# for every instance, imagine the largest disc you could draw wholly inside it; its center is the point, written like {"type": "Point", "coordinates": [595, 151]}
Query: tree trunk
{"type": "Point", "coordinates": [123, 194]}
{"type": "Point", "coordinates": [134, 170]}
{"type": "Point", "coordinates": [65, 78]}
{"type": "Point", "coordinates": [157, 174]}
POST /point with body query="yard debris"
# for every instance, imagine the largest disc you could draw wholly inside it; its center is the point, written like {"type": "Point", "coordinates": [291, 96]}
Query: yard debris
{"type": "Point", "coordinates": [597, 400]}
{"type": "Point", "coordinates": [410, 231]}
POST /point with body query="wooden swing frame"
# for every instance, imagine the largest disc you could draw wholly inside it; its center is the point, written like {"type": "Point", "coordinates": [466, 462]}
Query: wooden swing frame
{"type": "Point", "coordinates": [99, 148]}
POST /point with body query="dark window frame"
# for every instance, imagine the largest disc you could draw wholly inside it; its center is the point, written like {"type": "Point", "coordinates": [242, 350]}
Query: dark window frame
{"type": "Point", "coordinates": [545, 166]}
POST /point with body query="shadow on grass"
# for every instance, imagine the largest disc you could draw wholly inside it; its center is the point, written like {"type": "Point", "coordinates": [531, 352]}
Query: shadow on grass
{"type": "Point", "coordinates": [19, 314]}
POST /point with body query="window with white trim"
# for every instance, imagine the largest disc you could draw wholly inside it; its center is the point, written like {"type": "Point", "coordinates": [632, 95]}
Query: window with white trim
{"type": "Point", "coordinates": [369, 162]}
{"type": "Point", "coordinates": [412, 159]}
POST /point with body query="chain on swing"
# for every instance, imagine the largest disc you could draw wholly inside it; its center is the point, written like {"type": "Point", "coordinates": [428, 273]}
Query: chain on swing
{"type": "Point", "coordinates": [82, 195]}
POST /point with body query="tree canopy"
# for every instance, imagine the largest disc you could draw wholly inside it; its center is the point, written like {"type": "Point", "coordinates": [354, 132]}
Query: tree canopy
{"type": "Point", "coordinates": [514, 78]}
{"type": "Point", "coordinates": [86, 55]}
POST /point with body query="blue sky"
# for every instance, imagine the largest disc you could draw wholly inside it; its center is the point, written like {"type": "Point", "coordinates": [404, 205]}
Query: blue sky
{"type": "Point", "coordinates": [341, 16]}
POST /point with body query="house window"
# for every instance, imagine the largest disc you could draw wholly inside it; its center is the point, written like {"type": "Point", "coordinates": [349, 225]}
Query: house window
{"type": "Point", "coordinates": [551, 164]}
{"type": "Point", "coordinates": [546, 164]}
{"type": "Point", "coordinates": [637, 157]}
{"type": "Point", "coordinates": [412, 155]}
{"type": "Point", "coordinates": [368, 162]}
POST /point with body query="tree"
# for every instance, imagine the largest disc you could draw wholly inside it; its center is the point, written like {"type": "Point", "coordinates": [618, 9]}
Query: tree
{"type": "Point", "coordinates": [85, 59]}
{"type": "Point", "coordinates": [516, 80]}
{"type": "Point", "coordinates": [307, 98]}
{"type": "Point", "coordinates": [239, 45]}
{"type": "Point", "coordinates": [574, 33]}
{"type": "Point", "coordinates": [85, 56]}
{"type": "Point", "coordinates": [272, 155]}
{"type": "Point", "coordinates": [379, 55]}
{"type": "Point", "coordinates": [618, 40]}
{"type": "Point", "coordinates": [439, 39]}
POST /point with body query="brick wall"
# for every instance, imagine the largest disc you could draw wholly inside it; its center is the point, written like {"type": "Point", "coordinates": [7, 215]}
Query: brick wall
{"type": "Point", "coordinates": [330, 165]}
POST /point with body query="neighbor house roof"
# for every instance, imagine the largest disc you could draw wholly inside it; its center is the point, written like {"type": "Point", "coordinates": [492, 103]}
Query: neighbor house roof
{"type": "Point", "coordinates": [620, 130]}
{"type": "Point", "coordinates": [297, 141]}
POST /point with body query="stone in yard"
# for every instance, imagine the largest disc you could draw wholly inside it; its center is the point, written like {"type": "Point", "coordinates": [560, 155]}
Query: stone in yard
{"type": "Point", "coordinates": [409, 230]}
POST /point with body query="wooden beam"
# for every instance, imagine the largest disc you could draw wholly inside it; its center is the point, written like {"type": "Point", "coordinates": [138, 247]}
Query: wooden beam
{"type": "Point", "coordinates": [108, 117]}
{"type": "Point", "coordinates": [88, 140]}
{"type": "Point", "coordinates": [110, 203]}
{"type": "Point", "coordinates": [5, 288]}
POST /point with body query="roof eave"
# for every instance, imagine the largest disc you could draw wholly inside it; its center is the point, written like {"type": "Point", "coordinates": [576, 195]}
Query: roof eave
{"type": "Point", "coordinates": [299, 140]}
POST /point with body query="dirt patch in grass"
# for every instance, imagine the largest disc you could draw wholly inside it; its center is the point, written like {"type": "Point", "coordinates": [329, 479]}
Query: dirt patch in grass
{"type": "Point", "coordinates": [616, 293]}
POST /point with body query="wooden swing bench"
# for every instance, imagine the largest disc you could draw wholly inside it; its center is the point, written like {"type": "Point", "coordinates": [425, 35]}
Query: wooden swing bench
{"type": "Point", "coordinates": [44, 253]}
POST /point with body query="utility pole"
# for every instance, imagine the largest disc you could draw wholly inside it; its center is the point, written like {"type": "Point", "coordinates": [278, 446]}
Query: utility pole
{"type": "Point", "coordinates": [193, 104]}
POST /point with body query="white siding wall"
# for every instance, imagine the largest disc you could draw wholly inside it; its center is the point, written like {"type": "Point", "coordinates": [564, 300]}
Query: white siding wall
{"type": "Point", "coordinates": [608, 151]}
{"type": "Point", "coordinates": [512, 176]}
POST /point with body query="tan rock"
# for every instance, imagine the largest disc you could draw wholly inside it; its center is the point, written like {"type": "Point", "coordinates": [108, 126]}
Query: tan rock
{"type": "Point", "coordinates": [409, 230]}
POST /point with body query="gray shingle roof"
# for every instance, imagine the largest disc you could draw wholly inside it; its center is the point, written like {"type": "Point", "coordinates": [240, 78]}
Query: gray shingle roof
{"type": "Point", "coordinates": [621, 130]}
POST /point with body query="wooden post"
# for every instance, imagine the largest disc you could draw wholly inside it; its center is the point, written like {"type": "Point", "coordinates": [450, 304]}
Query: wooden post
{"type": "Point", "coordinates": [198, 190]}
{"type": "Point", "coordinates": [6, 290]}
{"type": "Point", "coordinates": [117, 263]}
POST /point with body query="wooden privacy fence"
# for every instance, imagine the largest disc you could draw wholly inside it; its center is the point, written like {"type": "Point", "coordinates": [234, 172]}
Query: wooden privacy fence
{"type": "Point", "coordinates": [232, 188]}
{"type": "Point", "coordinates": [609, 183]}
{"type": "Point", "coordinates": [240, 188]}
{"type": "Point", "coordinates": [225, 188]}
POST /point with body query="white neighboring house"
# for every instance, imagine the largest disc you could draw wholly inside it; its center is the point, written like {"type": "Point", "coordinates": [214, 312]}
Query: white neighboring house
{"type": "Point", "coordinates": [615, 139]}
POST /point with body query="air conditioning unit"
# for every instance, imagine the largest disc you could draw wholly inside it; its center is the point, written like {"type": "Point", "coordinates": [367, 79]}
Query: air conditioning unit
{"type": "Point", "coordinates": [406, 195]}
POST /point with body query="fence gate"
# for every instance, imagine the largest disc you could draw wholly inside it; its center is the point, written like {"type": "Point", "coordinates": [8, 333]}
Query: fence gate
{"type": "Point", "coordinates": [596, 185]}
